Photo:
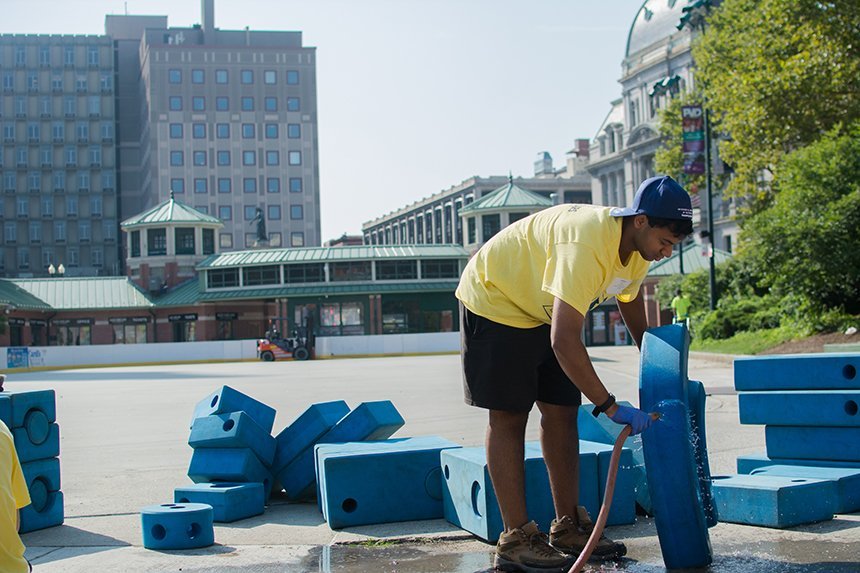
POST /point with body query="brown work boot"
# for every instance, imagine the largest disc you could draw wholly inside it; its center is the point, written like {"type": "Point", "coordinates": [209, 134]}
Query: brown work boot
{"type": "Point", "coordinates": [570, 536]}
{"type": "Point", "coordinates": [526, 549]}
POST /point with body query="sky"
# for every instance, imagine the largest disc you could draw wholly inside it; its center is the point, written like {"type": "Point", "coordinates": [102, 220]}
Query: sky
{"type": "Point", "coordinates": [415, 96]}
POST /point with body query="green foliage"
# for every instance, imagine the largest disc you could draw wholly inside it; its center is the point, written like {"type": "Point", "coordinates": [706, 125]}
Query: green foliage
{"type": "Point", "coordinates": [735, 315]}
{"type": "Point", "coordinates": [746, 342]}
{"type": "Point", "coordinates": [777, 74]}
{"type": "Point", "coordinates": [804, 245]}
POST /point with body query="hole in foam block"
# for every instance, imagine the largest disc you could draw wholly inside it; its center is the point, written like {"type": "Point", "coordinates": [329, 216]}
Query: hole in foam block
{"type": "Point", "coordinates": [39, 494]}
{"type": "Point", "coordinates": [168, 505]}
{"type": "Point", "coordinates": [349, 505]}
{"type": "Point", "coordinates": [193, 530]}
{"type": "Point", "coordinates": [214, 401]}
{"type": "Point", "coordinates": [184, 500]}
{"type": "Point", "coordinates": [229, 424]}
{"type": "Point", "coordinates": [476, 495]}
{"type": "Point", "coordinates": [851, 408]}
{"type": "Point", "coordinates": [849, 371]}
{"type": "Point", "coordinates": [178, 507]}
{"type": "Point", "coordinates": [798, 480]}
{"type": "Point", "coordinates": [447, 472]}
{"type": "Point", "coordinates": [158, 532]}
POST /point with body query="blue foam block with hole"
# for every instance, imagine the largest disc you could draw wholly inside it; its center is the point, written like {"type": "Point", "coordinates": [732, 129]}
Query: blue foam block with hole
{"type": "Point", "coordinates": [798, 372]}
{"type": "Point", "coordinates": [177, 526]}
{"type": "Point", "coordinates": [369, 421]}
{"type": "Point", "coordinates": [28, 451]}
{"type": "Point", "coordinates": [305, 431]}
{"type": "Point", "coordinates": [226, 400]}
{"type": "Point", "coordinates": [623, 508]}
{"type": "Point", "coordinates": [602, 430]}
{"type": "Point", "coordinates": [16, 406]}
{"type": "Point", "coordinates": [813, 443]}
{"type": "Point", "coordinates": [230, 501]}
{"type": "Point", "coordinates": [773, 501]}
{"type": "Point", "coordinates": [749, 462]}
{"type": "Point", "coordinates": [229, 464]}
{"type": "Point", "coordinates": [800, 408]}
{"type": "Point", "coordinates": [50, 515]}
{"type": "Point", "coordinates": [42, 477]}
{"type": "Point", "coordinates": [469, 500]}
{"type": "Point", "coordinates": [232, 430]}
{"type": "Point", "coordinates": [847, 481]}
{"type": "Point", "coordinates": [363, 483]}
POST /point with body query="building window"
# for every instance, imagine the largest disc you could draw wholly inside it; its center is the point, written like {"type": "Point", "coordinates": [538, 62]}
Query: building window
{"type": "Point", "coordinates": [199, 158]}
{"type": "Point", "coordinates": [294, 131]}
{"type": "Point", "coordinates": [221, 77]}
{"type": "Point", "coordinates": [223, 158]}
{"type": "Point", "coordinates": [93, 56]}
{"type": "Point", "coordinates": [271, 131]}
{"type": "Point", "coordinates": [200, 185]}
{"type": "Point", "coordinates": [247, 131]}
{"type": "Point", "coordinates": [177, 159]}
{"type": "Point", "coordinates": [222, 278]}
{"type": "Point", "coordinates": [297, 239]}
{"type": "Point", "coordinates": [341, 318]}
{"type": "Point", "coordinates": [292, 77]}
{"type": "Point", "coordinates": [247, 103]}
{"type": "Point", "coordinates": [96, 206]}
{"type": "Point", "coordinates": [396, 270]}
{"type": "Point", "coordinates": [185, 241]}
{"type": "Point", "coordinates": [69, 56]}
{"type": "Point", "coordinates": [84, 231]}
{"type": "Point", "coordinates": [175, 103]}
{"type": "Point", "coordinates": [225, 185]}
{"type": "Point", "coordinates": [273, 185]}
{"type": "Point", "coordinates": [274, 212]}
{"type": "Point", "coordinates": [208, 241]}
{"type": "Point", "coordinates": [198, 103]}
{"type": "Point", "coordinates": [197, 76]}
{"type": "Point", "coordinates": [222, 130]}
{"type": "Point", "coordinates": [304, 273]}
{"type": "Point", "coordinates": [247, 76]}
{"type": "Point", "coordinates": [222, 103]}
{"type": "Point", "coordinates": [250, 212]}
{"type": "Point", "coordinates": [293, 104]}
{"type": "Point", "coordinates": [492, 224]}
{"type": "Point", "coordinates": [156, 242]}
{"type": "Point", "coordinates": [296, 212]}
{"type": "Point", "coordinates": [135, 243]}
{"type": "Point", "coordinates": [249, 158]}
{"type": "Point", "coordinates": [44, 56]}
{"type": "Point", "coordinates": [249, 185]}
{"type": "Point", "coordinates": [273, 158]}
{"type": "Point", "coordinates": [440, 269]}
{"type": "Point", "coordinates": [71, 206]}
{"type": "Point", "coordinates": [256, 276]}
{"type": "Point", "coordinates": [175, 131]}
{"type": "Point", "coordinates": [471, 231]}
{"type": "Point", "coordinates": [270, 77]}
{"type": "Point", "coordinates": [174, 76]}
{"type": "Point", "coordinates": [295, 158]}
{"type": "Point", "coordinates": [225, 212]}
{"type": "Point", "coordinates": [198, 130]}
{"type": "Point", "coordinates": [60, 231]}
{"type": "Point", "coordinates": [177, 185]}
{"type": "Point", "coordinates": [295, 185]}
{"type": "Point", "coordinates": [225, 240]}
{"type": "Point", "coordinates": [109, 230]}
{"type": "Point", "coordinates": [270, 103]}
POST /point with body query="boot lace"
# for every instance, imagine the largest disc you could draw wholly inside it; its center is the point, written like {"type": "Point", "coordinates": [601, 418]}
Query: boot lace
{"type": "Point", "coordinates": [539, 543]}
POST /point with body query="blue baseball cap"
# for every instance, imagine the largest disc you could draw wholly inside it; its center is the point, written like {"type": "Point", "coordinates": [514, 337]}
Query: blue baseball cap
{"type": "Point", "coordinates": [661, 197]}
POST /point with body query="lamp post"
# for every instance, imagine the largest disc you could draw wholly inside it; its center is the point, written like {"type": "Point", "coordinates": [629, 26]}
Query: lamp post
{"type": "Point", "coordinates": [694, 17]}
{"type": "Point", "coordinates": [56, 271]}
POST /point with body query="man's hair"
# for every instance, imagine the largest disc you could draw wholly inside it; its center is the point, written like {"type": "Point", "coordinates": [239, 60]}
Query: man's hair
{"type": "Point", "coordinates": [678, 227]}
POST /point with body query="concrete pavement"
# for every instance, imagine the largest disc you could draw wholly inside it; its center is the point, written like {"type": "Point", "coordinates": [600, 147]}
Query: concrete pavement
{"type": "Point", "coordinates": [124, 445]}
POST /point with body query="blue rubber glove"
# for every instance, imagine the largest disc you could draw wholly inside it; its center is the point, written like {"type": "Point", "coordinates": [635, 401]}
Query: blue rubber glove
{"type": "Point", "coordinates": [636, 418]}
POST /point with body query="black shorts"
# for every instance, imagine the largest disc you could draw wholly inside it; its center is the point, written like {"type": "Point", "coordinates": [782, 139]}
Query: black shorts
{"type": "Point", "coordinates": [507, 368]}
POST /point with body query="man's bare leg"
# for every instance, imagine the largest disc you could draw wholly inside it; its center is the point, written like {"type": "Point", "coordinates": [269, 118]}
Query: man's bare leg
{"type": "Point", "coordinates": [560, 445]}
{"type": "Point", "coordinates": [506, 436]}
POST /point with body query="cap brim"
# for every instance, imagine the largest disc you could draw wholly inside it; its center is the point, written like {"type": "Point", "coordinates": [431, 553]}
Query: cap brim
{"type": "Point", "coordinates": [622, 211]}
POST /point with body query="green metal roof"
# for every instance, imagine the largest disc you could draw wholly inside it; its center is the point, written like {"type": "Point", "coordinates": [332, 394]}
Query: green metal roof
{"type": "Point", "coordinates": [14, 296]}
{"type": "Point", "coordinates": [693, 261]}
{"type": "Point", "coordinates": [327, 254]}
{"type": "Point", "coordinates": [170, 211]}
{"type": "Point", "coordinates": [508, 196]}
{"type": "Point", "coordinates": [85, 293]}
{"type": "Point", "coordinates": [189, 292]}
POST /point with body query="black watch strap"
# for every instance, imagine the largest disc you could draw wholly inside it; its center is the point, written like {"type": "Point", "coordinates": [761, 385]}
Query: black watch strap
{"type": "Point", "coordinates": [603, 407]}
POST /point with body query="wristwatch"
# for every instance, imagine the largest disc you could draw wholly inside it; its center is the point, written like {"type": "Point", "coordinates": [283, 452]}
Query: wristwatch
{"type": "Point", "coordinates": [603, 407]}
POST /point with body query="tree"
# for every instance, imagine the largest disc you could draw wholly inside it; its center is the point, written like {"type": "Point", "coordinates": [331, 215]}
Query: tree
{"type": "Point", "coordinates": [777, 74]}
{"type": "Point", "coordinates": [805, 243]}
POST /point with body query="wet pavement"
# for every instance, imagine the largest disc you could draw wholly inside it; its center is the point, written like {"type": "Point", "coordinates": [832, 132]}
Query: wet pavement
{"type": "Point", "coordinates": [123, 446]}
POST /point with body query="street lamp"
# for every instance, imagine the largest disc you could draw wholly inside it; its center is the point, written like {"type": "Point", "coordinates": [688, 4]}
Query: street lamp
{"type": "Point", "coordinates": [694, 17]}
{"type": "Point", "coordinates": [58, 271]}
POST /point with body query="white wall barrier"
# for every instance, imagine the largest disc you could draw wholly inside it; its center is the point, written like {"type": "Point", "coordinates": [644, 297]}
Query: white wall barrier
{"type": "Point", "coordinates": [422, 343]}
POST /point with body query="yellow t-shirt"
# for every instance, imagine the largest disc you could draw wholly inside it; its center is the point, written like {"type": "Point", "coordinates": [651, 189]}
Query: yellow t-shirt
{"type": "Point", "coordinates": [681, 305]}
{"type": "Point", "coordinates": [13, 496]}
{"type": "Point", "coordinates": [566, 251]}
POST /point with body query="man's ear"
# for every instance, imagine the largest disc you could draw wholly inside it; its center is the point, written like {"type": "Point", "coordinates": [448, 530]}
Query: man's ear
{"type": "Point", "coordinates": [640, 221]}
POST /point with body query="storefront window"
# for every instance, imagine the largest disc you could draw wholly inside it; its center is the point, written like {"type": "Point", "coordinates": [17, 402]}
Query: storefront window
{"type": "Point", "coordinates": [129, 333]}
{"type": "Point", "coordinates": [74, 335]}
{"type": "Point", "coordinates": [341, 318]}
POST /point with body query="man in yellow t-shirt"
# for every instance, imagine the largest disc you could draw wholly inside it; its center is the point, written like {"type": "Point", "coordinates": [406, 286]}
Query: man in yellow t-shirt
{"type": "Point", "coordinates": [524, 298]}
{"type": "Point", "coordinates": [13, 496]}
{"type": "Point", "coordinates": [681, 307]}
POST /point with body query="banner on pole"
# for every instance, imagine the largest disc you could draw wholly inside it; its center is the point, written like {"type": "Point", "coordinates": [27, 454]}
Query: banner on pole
{"type": "Point", "coordinates": [693, 128]}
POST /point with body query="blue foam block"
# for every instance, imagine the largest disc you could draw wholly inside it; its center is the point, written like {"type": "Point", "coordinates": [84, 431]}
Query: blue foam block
{"type": "Point", "coordinates": [16, 406]}
{"type": "Point", "coordinates": [28, 451]}
{"type": "Point", "coordinates": [602, 430]}
{"type": "Point", "coordinates": [773, 501]}
{"type": "Point", "coordinates": [796, 408]}
{"type": "Point", "coordinates": [623, 508]}
{"type": "Point", "coordinates": [230, 501]}
{"type": "Point", "coordinates": [50, 515]}
{"type": "Point", "coordinates": [229, 464]}
{"type": "Point", "coordinates": [671, 461]}
{"type": "Point", "coordinates": [226, 400]}
{"type": "Point", "coordinates": [798, 372]}
{"type": "Point", "coordinates": [749, 462]}
{"type": "Point", "coordinates": [813, 443]}
{"type": "Point", "coordinates": [847, 482]}
{"type": "Point", "coordinates": [233, 430]}
{"type": "Point", "coordinates": [42, 477]}
{"type": "Point", "coordinates": [469, 500]}
{"type": "Point", "coordinates": [177, 526]}
{"type": "Point", "coordinates": [363, 483]}
{"type": "Point", "coordinates": [305, 431]}
{"type": "Point", "coordinates": [369, 421]}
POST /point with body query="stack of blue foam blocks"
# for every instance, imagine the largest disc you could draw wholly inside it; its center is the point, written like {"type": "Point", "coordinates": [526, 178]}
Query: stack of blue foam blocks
{"type": "Point", "coordinates": [811, 469]}
{"type": "Point", "coordinates": [32, 416]}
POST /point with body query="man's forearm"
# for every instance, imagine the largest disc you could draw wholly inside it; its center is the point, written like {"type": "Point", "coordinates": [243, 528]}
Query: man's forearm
{"type": "Point", "coordinates": [633, 313]}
